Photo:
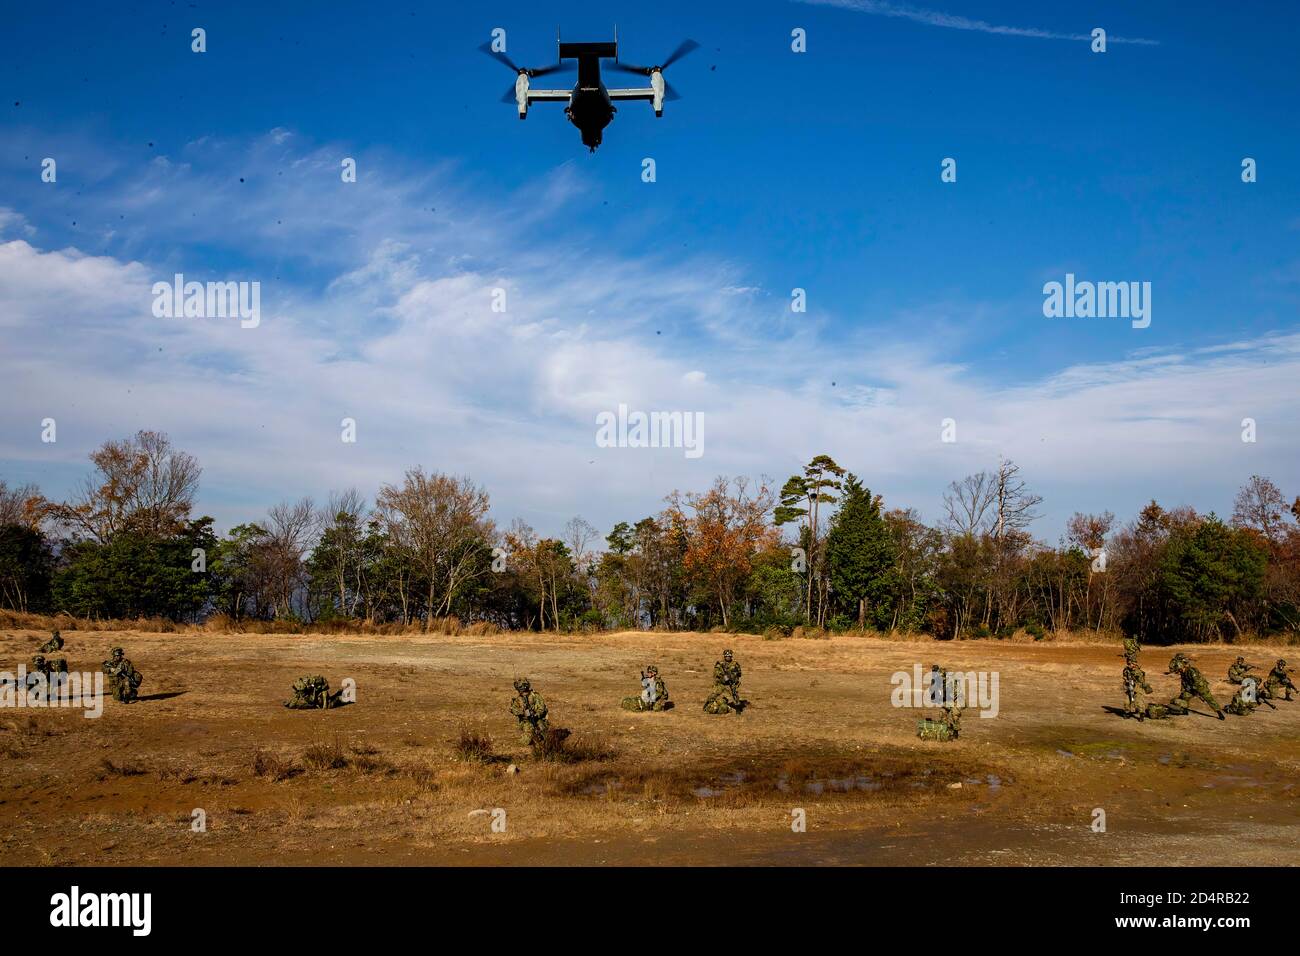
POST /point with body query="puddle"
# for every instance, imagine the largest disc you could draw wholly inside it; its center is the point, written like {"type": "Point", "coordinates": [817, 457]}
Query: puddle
{"type": "Point", "coordinates": [598, 788]}
{"type": "Point", "coordinates": [822, 785]}
{"type": "Point", "coordinates": [1064, 753]}
{"type": "Point", "coordinates": [720, 784]}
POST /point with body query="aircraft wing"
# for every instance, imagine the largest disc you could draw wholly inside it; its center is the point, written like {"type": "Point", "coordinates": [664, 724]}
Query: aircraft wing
{"type": "Point", "coordinates": [549, 95]}
{"type": "Point", "coordinates": [642, 94]}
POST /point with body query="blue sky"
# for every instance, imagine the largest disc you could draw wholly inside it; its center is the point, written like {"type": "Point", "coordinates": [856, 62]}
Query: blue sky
{"type": "Point", "coordinates": [776, 170]}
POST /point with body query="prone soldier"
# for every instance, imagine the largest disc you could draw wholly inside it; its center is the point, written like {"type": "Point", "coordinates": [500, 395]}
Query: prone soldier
{"type": "Point", "coordinates": [312, 693]}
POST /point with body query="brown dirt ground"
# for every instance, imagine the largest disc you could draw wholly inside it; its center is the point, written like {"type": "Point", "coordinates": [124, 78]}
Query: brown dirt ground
{"type": "Point", "coordinates": [681, 787]}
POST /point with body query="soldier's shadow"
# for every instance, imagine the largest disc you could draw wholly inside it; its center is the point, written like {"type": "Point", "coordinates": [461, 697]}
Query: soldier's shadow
{"type": "Point", "coordinates": [1117, 711]}
{"type": "Point", "coordinates": [167, 696]}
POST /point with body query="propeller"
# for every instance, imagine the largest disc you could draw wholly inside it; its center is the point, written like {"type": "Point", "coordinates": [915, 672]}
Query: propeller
{"type": "Point", "coordinates": [538, 71]}
{"type": "Point", "coordinates": [509, 95]}
{"type": "Point", "coordinates": [685, 47]}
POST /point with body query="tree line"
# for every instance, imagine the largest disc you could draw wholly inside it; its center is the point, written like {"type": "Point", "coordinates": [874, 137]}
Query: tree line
{"type": "Point", "coordinates": [819, 551]}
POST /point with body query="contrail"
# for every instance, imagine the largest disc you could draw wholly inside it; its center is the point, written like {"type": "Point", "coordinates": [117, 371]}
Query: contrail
{"type": "Point", "coordinates": [935, 18]}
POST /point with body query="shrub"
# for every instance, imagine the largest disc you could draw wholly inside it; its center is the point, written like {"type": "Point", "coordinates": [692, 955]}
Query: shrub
{"type": "Point", "coordinates": [325, 756]}
{"type": "Point", "coordinates": [266, 764]}
{"type": "Point", "coordinates": [473, 746]}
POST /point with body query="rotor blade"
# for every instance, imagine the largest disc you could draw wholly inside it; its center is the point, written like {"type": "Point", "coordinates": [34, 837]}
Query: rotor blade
{"type": "Point", "coordinates": [670, 93]}
{"type": "Point", "coordinates": [629, 68]}
{"type": "Point", "coordinates": [554, 68]}
{"type": "Point", "coordinates": [509, 95]}
{"type": "Point", "coordinates": [498, 56]}
{"type": "Point", "coordinates": [686, 47]}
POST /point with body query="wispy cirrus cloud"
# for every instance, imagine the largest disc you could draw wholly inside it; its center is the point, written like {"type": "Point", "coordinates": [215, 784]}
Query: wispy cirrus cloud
{"type": "Point", "coordinates": [377, 307]}
{"type": "Point", "coordinates": [936, 18]}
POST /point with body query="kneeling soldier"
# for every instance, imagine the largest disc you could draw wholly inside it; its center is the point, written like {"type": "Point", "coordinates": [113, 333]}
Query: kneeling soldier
{"type": "Point", "coordinates": [530, 709]}
{"type": "Point", "coordinates": [654, 693]}
{"type": "Point", "coordinates": [124, 679]}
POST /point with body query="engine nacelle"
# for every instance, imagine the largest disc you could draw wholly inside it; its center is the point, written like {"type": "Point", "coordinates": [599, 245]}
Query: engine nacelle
{"type": "Point", "coordinates": [521, 94]}
{"type": "Point", "coordinates": [657, 85]}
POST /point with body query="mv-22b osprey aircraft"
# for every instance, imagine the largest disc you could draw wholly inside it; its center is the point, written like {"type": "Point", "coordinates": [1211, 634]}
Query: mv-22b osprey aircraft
{"type": "Point", "coordinates": [591, 105]}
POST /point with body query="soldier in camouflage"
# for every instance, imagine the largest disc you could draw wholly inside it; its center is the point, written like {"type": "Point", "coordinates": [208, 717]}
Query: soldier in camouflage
{"type": "Point", "coordinates": [654, 693]}
{"type": "Point", "coordinates": [47, 668]}
{"type": "Point", "coordinates": [312, 693]}
{"type": "Point", "coordinates": [1278, 679]}
{"type": "Point", "coordinates": [55, 643]}
{"type": "Point", "coordinates": [947, 727]}
{"type": "Point", "coordinates": [1240, 706]}
{"type": "Point", "coordinates": [123, 678]}
{"type": "Point", "coordinates": [1135, 678]}
{"type": "Point", "coordinates": [1237, 670]}
{"type": "Point", "coordinates": [530, 709]}
{"type": "Point", "coordinates": [1193, 686]}
{"type": "Point", "coordinates": [725, 698]}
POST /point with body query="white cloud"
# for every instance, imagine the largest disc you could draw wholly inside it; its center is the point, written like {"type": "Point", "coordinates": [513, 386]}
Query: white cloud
{"type": "Point", "coordinates": [395, 329]}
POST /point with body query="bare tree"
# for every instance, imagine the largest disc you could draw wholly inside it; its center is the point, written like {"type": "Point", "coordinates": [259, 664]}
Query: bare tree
{"type": "Point", "coordinates": [1015, 503]}
{"type": "Point", "coordinates": [341, 520]}
{"type": "Point", "coordinates": [140, 483]}
{"type": "Point", "coordinates": [1260, 505]}
{"type": "Point", "coordinates": [291, 528]}
{"type": "Point", "coordinates": [969, 503]}
{"type": "Point", "coordinates": [22, 505]}
{"type": "Point", "coordinates": [443, 521]}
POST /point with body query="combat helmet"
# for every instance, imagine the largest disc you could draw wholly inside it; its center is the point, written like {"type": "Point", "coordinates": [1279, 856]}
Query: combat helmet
{"type": "Point", "coordinates": [117, 652]}
{"type": "Point", "coordinates": [1177, 663]}
{"type": "Point", "coordinates": [652, 669]}
{"type": "Point", "coordinates": [522, 685]}
{"type": "Point", "coordinates": [726, 655]}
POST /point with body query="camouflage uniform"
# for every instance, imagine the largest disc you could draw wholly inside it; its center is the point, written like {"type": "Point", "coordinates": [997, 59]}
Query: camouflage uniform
{"type": "Point", "coordinates": [947, 727]}
{"type": "Point", "coordinates": [530, 710]}
{"type": "Point", "coordinates": [124, 679]}
{"type": "Point", "coordinates": [1134, 678]}
{"type": "Point", "coordinates": [654, 694]}
{"type": "Point", "coordinates": [47, 669]}
{"type": "Point", "coordinates": [724, 698]}
{"type": "Point", "coordinates": [1194, 686]}
{"type": "Point", "coordinates": [312, 693]}
{"type": "Point", "coordinates": [1277, 679]}
{"type": "Point", "coordinates": [1239, 706]}
{"type": "Point", "coordinates": [1237, 671]}
{"type": "Point", "coordinates": [55, 643]}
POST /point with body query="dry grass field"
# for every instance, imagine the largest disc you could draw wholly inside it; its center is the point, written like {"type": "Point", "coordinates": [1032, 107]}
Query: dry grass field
{"type": "Point", "coordinates": [379, 781]}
